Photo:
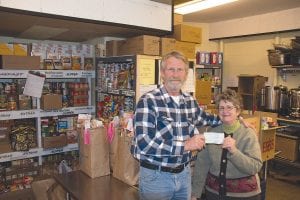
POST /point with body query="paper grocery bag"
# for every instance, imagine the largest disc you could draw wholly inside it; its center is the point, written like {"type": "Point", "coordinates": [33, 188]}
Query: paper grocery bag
{"type": "Point", "coordinates": [94, 157]}
{"type": "Point", "coordinates": [126, 168]}
{"type": "Point", "coordinates": [113, 148]}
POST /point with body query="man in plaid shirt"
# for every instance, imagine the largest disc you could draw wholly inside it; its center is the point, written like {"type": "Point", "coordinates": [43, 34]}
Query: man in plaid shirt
{"type": "Point", "coordinates": [166, 122]}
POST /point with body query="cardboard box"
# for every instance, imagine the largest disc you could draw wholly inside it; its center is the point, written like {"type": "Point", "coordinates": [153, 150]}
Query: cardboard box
{"type": "Point", "coordinates": [167, 45]}
{"type": "Point", "coordinates": [187, 48]}
{"type": "Point", "coordinates": [4, 134]}
{"type": "Point", "coordinates": [112, 47]}
{"type": "Point", "coordinates": [203, 92]}
{"type": "Point", "coordinates": [177, 19]}
{"type": "Point", "coordinates": [187, 33]}
{"type": "Point", "coordinates": [254, 121]}
{"type": "Point", "coordinates": [20, 49]}
{"type": "Point", "coordinates": [267, 144]}
{"type": "Point", "coordinates": [54, 141]}
{"type": "Point", "coordinates": [288, 146]}
{"type": "Point", "coordinates": [6, 49]}
{"type": "Point", "coordinates": [144, 44]}
{"type": "Point", "coordinates": [266, 137]}
{"type": "Point", "coordinates": [51, 101]}
{"type": "Point", "coordinates": [5, 148]}
{"type": "Point", "coordinates": [94, 156]}
{"type": "Point", "coordinates": [20, 62]}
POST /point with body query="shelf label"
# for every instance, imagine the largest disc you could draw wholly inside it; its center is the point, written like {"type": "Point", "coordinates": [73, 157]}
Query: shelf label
{"type": "Point", "coordinates": [5, 115]}
{"type": "Point", "coordinates": [5, 157]}
{"type": "Point", "coordinates": [54, 74]}
{"type": "Point", "coordinates": [28, 114]}
{"type": "Point", "coordinates": [19, 155]}
{"type": "Point", "coordinates": [72, 74]}
{"type": "Point", "coordinates": [88, 74]}
{"type": "Point", "coordinates": [56, 150]}
{"type": "Point", "coordinates": [13, 73]}
{"type": "Point", "coordinates": [128, 93]}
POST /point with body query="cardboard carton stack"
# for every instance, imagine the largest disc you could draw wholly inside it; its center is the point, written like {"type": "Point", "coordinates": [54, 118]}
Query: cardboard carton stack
{"type": "Point", "coordinates": [184, 39]}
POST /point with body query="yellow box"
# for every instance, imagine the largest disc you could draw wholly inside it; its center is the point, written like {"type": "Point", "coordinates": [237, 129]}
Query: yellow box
{"type": "Point", "coordinates": [267, 144]}
{"type": "Point", "coordinates": [187, 33]}
{"type": "Point", "coordinates": [187, 48]}
{"type": "Point", "coordinates": [20, 49]}
{"type": "Point", "coordinates": [254, 121]}
{"type": "Point", "coordinates": [6, 49]}
{"type": "Point", "coordinates": [203, 92]}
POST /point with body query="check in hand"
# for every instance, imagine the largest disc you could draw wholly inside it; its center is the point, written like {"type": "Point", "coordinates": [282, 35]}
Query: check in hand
{"type": "Point", "coordinates": [197, 142]}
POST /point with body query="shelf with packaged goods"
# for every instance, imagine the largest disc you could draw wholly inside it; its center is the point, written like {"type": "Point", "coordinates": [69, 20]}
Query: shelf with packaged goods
{"type": "Point", "coordinates": [35, 152]}
{"type": "Point", "coordinates": [120, 80]}
{"type": "Point", "coordinates": [22, 114]}
{"type": "Point", "coordinates": [38, 113]}
{"type": "Point", "coordinates": [66, 74]}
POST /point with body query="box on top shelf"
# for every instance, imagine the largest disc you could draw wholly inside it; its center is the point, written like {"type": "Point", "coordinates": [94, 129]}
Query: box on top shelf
{"type": "Point", "coordinates": [177, 19]}
{"type": "Point", "coordinates": [112, 48]}
{"type": "Point", "coordinates": [187, 48]}
{"type": "Point", "coordinates": [6, 49]}
{"type": "Point", "coordinates": [187, 33]}
{"type": "Point", "coordinates": [167, 45]}
{"type": "Point", "coordinates": [19, 62]}
{"type": "Point", "coordinates": [144, 44]}
{"type": "Point", "coordinates": [20, 49]}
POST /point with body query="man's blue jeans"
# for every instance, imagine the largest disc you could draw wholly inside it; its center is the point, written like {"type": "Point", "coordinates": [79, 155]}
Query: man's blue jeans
{"type": "Point", "coordinates": [158, 185]}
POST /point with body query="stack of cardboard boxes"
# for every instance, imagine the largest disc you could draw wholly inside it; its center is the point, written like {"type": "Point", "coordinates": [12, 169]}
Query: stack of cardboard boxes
{"type": "Point", "coordinates": [184, 39]}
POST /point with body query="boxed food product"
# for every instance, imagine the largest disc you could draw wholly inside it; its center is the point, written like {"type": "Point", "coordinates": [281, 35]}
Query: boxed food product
{"type": "Point", "coordinates": [51, 101]}
{"type": "Point", "coordinates": [187, 33]}
{"type": "Point", "coordinates": [19, 62]}
{"type": "Point", "coordinates": [54, 141]}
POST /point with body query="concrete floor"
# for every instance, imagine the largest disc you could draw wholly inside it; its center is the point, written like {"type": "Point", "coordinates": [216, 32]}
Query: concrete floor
{"type": "Point", "coordinates": [283, 183]}
{"type": "Point", "coordinates": [282, 190]}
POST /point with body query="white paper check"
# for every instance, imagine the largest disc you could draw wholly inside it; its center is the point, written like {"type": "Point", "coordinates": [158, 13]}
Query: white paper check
{"type": "Point", "coordinates": [214, 138]}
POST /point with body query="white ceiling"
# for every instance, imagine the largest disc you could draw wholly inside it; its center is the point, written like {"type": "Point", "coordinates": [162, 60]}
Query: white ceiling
{"type": "Point", "coordinates": [21, 24]}
{"type": "Point", "coordinates": [240, 9]}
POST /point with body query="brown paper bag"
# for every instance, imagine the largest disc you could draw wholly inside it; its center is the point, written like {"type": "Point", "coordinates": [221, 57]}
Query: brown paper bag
{"type": "Point", "coordinates": [126, 168]}
{"type": "Point", "coordinates": [94, 157]}
{"type": "Point", "coordinates": [113, 148]}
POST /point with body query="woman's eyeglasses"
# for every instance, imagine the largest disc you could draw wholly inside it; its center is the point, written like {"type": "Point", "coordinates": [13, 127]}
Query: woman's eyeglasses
{"type": "Point", "coordinates": [227, 108]}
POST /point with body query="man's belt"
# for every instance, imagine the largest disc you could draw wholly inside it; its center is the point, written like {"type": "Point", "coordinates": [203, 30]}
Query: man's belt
{"type": "Point", "coordinates": [174, 170]}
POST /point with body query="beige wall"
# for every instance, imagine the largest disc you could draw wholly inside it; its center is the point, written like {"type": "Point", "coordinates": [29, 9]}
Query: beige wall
{"type": "Point", "coordinates": [248, 55]}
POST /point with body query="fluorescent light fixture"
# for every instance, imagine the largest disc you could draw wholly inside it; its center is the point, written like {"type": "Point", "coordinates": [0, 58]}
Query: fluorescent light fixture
{"type": "Point", "coordinates": [197, 5]}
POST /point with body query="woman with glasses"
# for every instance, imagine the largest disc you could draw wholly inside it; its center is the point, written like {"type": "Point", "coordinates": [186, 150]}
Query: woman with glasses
{"type": "Point", "coordinates": [229, 170]}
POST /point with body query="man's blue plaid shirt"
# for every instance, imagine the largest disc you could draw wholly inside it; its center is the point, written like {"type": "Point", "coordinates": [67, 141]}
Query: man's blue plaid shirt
{"type": "Point", "coordinates": [162, 126]}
